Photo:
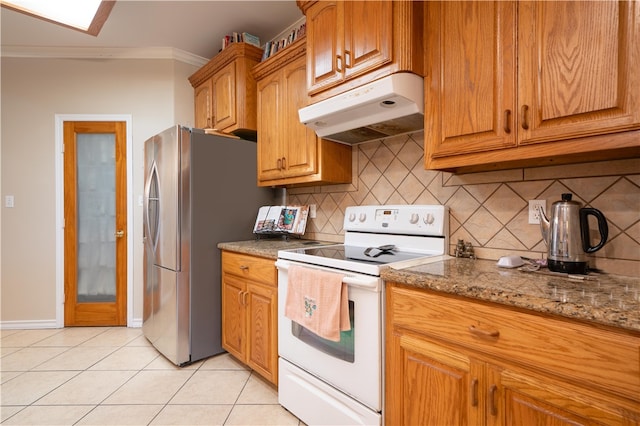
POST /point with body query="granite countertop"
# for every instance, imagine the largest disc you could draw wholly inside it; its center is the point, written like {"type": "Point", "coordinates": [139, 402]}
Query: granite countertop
{"type": "Point", "coordinates": [601, 298]}
{"type": "Point", "coordinates": [268, 247]}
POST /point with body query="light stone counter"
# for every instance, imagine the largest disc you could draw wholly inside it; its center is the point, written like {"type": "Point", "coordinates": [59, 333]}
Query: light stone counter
{"type": "Point", "coordinates": [605, 299]}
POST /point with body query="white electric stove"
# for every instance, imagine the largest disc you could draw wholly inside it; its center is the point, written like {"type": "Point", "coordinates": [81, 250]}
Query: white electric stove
{"type": "Point", "coordinates": [326, 382]}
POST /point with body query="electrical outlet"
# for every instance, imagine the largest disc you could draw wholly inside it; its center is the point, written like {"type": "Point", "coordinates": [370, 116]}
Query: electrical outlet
{"type": "Point", "coordinates": [312, 211]}
{"type": "Point", "coordinates": [534, 210]}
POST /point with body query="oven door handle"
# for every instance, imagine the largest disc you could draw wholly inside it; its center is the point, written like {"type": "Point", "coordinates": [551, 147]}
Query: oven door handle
{"type": "Point", "coordinates": [368, 283]}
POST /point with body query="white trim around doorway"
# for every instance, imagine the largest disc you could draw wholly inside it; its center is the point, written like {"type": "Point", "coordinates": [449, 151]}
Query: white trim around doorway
{"type": "Point", "coordinates": [59, 169]}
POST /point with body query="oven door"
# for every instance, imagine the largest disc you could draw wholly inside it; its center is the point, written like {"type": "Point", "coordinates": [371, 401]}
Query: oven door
{"type": "Point", "coordinates": [353, 365]}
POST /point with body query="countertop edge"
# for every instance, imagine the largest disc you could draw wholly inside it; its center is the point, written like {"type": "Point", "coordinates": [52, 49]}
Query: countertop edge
{"type": "Point", "coordinates": [624, 317]}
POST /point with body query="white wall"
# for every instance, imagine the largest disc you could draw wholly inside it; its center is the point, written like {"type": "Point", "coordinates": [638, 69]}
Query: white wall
{"type": "Point", "coordinates": [155, 92]}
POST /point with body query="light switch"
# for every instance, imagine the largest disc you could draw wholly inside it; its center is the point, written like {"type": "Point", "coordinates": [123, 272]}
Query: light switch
{"type": "Point", "coordinates": [8, 201]}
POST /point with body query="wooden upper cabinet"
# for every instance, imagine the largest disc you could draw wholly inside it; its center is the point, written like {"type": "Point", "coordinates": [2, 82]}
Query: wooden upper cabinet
{"type": "Point", "coordinates": [579, 68]}
{"type": "Point", "coordinates": [350, 43]}
{"type": "Point", "coordinates": [471, 68]}
{"type": "Point", "coordinates": [301, 157]}
{"type": "Point", "coordinates": [518, 84]}
{"type": "Point", "coordinates": [286, 148]}
{"type": "Point", "coordinates": [224, 97]}
{"type": "Point", "coordinates": [367, 34]}
{"type": "Point", "coordinates": [323, 40]}
{"type": "Point", "coordinates": [225, 90]}
{"type": "Point", "coordinates": [290, 153]}
{"type": "Point", "coordinates": [203, 98]}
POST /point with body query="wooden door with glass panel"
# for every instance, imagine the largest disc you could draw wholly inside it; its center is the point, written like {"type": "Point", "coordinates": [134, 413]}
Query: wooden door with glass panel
{"type": "Point", "coordinates": [95, 232]}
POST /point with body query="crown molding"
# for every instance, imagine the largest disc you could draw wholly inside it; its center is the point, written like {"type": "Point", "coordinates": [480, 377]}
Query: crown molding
{"type": "Point", "coordinates": [102, 53]}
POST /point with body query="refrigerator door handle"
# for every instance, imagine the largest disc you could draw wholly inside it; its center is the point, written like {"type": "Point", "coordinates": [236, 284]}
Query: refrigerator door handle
{"type": "Point", "coordinates": [151, 208]}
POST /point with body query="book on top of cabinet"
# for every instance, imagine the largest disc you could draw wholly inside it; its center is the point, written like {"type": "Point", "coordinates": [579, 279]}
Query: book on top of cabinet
{"type": "Point", "coordinates": [243, 37]}
{"type": "Point", "coordinates": [274, 46]}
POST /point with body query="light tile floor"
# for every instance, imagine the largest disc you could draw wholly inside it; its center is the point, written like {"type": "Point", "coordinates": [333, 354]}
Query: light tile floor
{"type": "Point", "coordinates": [113, 376]}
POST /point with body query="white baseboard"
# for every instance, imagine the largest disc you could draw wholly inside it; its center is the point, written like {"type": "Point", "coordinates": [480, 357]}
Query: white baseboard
{"type": "Point", "coordinates": [32, 324]}
{"type": "Point", "coordinates": [41, 324]}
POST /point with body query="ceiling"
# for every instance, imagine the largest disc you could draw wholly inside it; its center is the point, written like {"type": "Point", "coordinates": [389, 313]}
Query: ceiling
{"type": "Point", "coordinates": [196, 27]}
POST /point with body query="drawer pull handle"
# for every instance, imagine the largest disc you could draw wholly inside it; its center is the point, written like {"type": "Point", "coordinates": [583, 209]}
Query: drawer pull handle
{"type": "Point", "coordinates": [490, 334]}
{"type": "Point", "coordinates": [244, 267]}
{"type": "Point", "coordinates": [507, 121]}
{"type": "Point", "coordinates": [524, 114]}
{"type": "Point", "coordinates": [493, 408]}
{"type": "Point", "coordinates": [474, 392]}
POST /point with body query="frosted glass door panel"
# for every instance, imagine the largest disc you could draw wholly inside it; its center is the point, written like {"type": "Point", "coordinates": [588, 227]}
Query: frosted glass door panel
{"type": "Point", "coordinates": [96, 217]}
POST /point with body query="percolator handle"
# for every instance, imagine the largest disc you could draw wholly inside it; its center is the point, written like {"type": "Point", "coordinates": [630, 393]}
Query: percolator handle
{"type": "Point", "coordinates": [603, 228]}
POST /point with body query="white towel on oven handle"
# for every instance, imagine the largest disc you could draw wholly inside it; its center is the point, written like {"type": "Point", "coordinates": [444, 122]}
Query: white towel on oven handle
{"type": "Point", "coordinates": [318, 300]}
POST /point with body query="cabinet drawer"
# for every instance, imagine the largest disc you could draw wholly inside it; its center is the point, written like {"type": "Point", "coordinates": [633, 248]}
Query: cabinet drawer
{"type": "Point", "coordinates": [250, 267]}
{"type": "Point", "coordinates": [604, 358]}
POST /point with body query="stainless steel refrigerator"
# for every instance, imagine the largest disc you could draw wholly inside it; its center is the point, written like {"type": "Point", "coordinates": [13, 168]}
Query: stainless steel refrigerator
{"type": "Point", "coordinates": [200, 190]}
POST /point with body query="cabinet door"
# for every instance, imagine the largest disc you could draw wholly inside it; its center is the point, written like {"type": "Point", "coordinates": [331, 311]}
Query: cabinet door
{"type": "Point", "coordinates": [299, 141]}
{"type": "Point", "coordinates": [368, 36]}
{"type": "Point", "coordinates": [469, 77]}
{"type": "Point", "coordinates": [438, 386]}
{"type": "Point", "coordinates": [579, 68]}
{"type": "Point", "coordinates": [270, 124]}
{"type": "Point", "coordinates": [224, 97]}
{"type": "Point", "coordinates": [262, 329]}
{"type": "Point", "coordinates": [325, 37]}
{"type": "Point", "coordinates": [203, 106]}
{"type": "Point", "coordinates": [233, 316]}
{"type": "Point", "coordinates": [525, 399]}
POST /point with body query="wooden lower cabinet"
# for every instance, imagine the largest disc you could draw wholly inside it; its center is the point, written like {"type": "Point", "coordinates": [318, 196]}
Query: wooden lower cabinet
{"type": "Point", "coordinates": [250, 312]}
{"type": "Point", "coordinates": [488, 377]}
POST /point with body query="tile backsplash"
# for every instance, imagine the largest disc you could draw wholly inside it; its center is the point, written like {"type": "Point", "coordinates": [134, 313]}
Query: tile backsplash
{"type": "Point", "coordinates": [488, 209]}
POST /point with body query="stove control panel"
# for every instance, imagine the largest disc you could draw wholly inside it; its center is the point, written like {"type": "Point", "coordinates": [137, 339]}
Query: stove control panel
{"type": "Point", "coordinates": [418, 219]}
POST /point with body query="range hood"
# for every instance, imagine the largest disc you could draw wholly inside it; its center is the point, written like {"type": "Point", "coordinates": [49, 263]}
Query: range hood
{"type": "Point", "coordinates": [390, 106]}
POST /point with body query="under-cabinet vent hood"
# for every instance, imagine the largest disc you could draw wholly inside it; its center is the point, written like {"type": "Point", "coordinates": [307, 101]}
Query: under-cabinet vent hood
{"type": "Point", "coordinates": [390, 106]}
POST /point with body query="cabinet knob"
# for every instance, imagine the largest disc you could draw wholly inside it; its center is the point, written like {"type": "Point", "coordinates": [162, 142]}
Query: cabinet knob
{"type": "Point", "coordinates": [119, 233]}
